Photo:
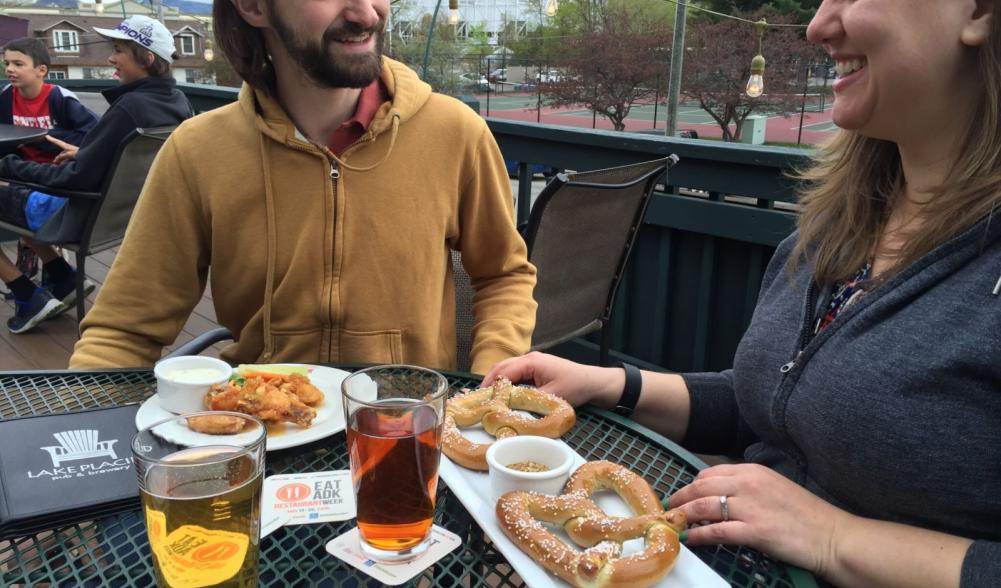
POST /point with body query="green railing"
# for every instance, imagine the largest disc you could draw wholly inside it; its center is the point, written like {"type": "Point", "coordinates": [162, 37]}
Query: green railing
{"type": "Point", "coordinates": [693, 279]}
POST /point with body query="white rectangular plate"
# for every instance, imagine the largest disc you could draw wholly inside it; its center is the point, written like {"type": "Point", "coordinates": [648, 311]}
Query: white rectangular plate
{"type": "Point", "coordinates": [473, 489]}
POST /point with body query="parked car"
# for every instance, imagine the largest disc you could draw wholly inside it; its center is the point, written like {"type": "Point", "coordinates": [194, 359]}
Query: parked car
{"type": "Point", "coordinates": [498, 75]}
{"type": "Point", "coordinates": [473, 83]}
{"type": "Point", "coordinates": [546, 77]}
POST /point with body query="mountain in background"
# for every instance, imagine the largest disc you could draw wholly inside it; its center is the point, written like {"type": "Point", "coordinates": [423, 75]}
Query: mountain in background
{"type": "Point", "coordinates": [190, 6]}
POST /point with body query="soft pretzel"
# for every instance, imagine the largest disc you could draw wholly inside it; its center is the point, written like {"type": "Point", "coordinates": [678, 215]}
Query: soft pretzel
{"type": "Point", "coordinates": [494, 406]}
{"type": "Point", "coordinates": [599, 566]}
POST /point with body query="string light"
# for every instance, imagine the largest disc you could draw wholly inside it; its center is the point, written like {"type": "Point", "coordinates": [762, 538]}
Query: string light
{"type": "Point", "coordinates": [208, 54]}
{"type": "Point", "coordinates": [453, 12]}
{"type": "Point", "coordinates": [551, 7]}
{"type": "Point", "coordinates": [98, 7]}
{"type": "Point", "coordinates": [756, 83]}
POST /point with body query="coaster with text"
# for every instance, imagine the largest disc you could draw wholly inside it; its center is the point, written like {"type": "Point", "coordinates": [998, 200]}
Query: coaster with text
{"type": "Point", "coordinates": [271, 520]}
{"type": "Point", "coordinates": [346, 548]}
{"type": "Point", "coordinates": [315, 497]}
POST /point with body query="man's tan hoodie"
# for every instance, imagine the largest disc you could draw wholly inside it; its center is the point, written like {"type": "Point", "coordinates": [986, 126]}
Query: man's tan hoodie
{"type": "Point", "coordinates": [316, 259]}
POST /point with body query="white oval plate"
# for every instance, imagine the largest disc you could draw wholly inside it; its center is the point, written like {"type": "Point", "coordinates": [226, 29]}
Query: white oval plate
{"type": "Point", "coordinates": [329, 417]}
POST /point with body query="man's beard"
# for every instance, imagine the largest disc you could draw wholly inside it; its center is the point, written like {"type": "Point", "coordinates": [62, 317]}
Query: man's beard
{"type": "Point", "coordinates": [320, 62]}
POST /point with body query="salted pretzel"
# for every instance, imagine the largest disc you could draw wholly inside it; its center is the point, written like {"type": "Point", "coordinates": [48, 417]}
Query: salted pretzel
{"type": "Point", "coordinates": [521, 515]}
{"type": "Point", "coordinates": [494, 406]}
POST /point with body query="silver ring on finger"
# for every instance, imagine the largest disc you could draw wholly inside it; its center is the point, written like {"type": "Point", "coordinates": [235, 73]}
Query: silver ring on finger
{"type": "Point", "coordinates": [724, 508]}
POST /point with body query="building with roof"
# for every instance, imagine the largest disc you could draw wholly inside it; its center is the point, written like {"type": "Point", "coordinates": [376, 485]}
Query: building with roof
{"type": "Point", "coordinates": [67, 27]}
{"type": "Point", "coordinates": [492, 17]}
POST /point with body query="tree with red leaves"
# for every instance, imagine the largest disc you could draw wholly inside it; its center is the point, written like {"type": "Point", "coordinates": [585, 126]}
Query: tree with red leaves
{"type": "Point", "coordinates": [718, 62]}
{"type": "Point", "coordinates": [611, 64]}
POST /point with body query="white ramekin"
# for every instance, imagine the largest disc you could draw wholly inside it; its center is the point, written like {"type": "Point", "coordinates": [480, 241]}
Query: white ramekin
{"type": "Point", "coordinates": [552, 453]}
{"type": "Point", "coordinates": [188, 396]}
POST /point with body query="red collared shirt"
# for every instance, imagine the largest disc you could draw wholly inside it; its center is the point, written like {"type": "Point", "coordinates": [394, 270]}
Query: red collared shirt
{"type": "Point", "coordinates": [371, 98]}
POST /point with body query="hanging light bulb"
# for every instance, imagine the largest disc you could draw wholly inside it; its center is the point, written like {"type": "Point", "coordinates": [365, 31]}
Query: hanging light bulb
{"type": "Point", "coordinates": [453, 12]}
{"type": "Point", "coordinates": [756, 83]}
{"type": "Point", "coordinates": [208, 54]}
{"type": "Point", "coordinates": [551, 7]}
{"type": "Point", "coordinates": [98, 7]}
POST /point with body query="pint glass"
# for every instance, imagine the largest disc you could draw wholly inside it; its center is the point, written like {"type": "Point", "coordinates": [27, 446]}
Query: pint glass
{"type": "Point", "coordinates": [201, 497]}
{"type": "Point", "coordinates": [394, 417]}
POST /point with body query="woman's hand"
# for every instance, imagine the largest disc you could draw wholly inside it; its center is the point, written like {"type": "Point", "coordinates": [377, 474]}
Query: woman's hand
{"type": "Point", "coordinates": [577, 383]}
{"type": "Point", "coordinates": [68, 151]}
{"type": "Point", "coordinates": [766, 511]}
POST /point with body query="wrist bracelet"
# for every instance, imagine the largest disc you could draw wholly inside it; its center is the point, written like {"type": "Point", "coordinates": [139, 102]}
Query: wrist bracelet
{"type": "Point", "coordinates": [631, 392]}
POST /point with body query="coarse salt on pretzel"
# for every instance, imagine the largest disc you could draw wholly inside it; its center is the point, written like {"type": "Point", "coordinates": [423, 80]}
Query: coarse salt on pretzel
{"type": "Point", "coordinates": [598, 566]}
{"type": "Point", "coordinates": [495, 407]}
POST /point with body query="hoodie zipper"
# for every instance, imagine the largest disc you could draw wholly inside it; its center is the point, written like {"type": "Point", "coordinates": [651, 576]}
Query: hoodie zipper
{"type": "Point", "coordinates": [335, 171]}
{"type": "Point", "coordinates": [811, 302]}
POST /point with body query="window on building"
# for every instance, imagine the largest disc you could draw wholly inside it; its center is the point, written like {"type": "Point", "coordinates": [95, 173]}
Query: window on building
{"type": "Point", "coordinates": [190, 76]}
{"type": "Point", "coordinates": [88, 73]}
{"type": "Point", "coordinates": [65, 41]}
{"type": "Point", "coordinates": [187, 44]}
{"type": "Point", "coordinates": [55, 75]}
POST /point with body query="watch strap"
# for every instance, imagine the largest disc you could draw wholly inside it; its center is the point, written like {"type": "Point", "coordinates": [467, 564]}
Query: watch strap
{"type": "Point", "coordinates": [631, 392]}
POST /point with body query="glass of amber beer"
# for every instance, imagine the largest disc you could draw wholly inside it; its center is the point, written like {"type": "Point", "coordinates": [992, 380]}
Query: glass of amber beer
{"type": "Point", "coordinates": [394, 417]}
{"type": "Point", "coordinates": [201, 495]}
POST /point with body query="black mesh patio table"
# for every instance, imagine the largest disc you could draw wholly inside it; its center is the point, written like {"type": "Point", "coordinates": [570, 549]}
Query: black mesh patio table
{"type": "Point", "coordinates": [116, 553]}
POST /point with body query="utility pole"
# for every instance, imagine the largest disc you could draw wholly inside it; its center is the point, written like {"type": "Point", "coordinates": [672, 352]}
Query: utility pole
{"type": "Point", "coordinates": [677, 57]}
{"type": "Point", "coordinates": [158, 5]}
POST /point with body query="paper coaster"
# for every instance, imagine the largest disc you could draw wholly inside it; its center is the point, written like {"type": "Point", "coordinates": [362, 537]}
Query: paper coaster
{"type": "Point", "coordinates": [271, 520]}
{"type": "Point", "coordinates": [316, 497]}
{"type": "Point", "coordinates": [346, 548]}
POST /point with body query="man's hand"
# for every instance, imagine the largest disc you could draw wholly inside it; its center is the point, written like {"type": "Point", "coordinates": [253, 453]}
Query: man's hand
{"type": "Point", "coordinates": [68, 151]}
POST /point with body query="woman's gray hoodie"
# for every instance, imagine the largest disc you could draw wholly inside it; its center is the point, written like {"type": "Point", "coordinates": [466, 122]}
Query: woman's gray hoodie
{"type": "Point", "coordinates": [892, 412]}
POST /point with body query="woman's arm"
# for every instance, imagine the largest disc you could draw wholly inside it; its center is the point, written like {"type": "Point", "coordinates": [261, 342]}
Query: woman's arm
{"type": "Point", "coordinates": [773, 514]}
{"type": "Point", "coordinates": [663, 404]}
{"type": "Point", "coordinates": [867, 552]}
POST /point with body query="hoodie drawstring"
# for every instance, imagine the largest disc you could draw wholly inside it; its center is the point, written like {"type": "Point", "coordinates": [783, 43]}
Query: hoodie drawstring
{"type": "Point", "coordinates": [392, 143]}
{"type": "Point", "coordinates": [272, 244]}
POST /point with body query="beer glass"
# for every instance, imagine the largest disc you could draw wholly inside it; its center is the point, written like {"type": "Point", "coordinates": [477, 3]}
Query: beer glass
{"type": "Point", "coordinates": [201, 496]}
{"type": "Point", "coordinates": [394, 416]}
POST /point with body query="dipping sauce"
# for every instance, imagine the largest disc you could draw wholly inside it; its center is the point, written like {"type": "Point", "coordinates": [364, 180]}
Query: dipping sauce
{"type": "Point", "coordinates": [194, 375]}
{"type": "Point", "coordinates": [529, 466]}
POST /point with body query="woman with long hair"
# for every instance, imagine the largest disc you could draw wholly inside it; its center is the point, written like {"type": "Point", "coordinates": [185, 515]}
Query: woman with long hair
{"type": "Point", "coordinates": [865, 396]}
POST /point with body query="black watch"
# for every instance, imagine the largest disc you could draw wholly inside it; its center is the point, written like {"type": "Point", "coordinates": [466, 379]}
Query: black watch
{"type": "Point", "coordinates": [631, 392]}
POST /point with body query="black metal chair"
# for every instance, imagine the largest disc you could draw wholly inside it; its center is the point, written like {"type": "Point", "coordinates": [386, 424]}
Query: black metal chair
{"type": "Point", "coordinates": [91, 222]}
{"type": "Point", "coordinates": [580, 234]}
{"type": "Point", "coordinates": [463, 313]}
{"type": "Point", "coordinates": [201, 342]}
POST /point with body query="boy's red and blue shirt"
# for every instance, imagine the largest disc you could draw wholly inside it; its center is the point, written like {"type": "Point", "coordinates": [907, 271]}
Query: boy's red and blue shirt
{"type": "Point", "coordinates": [35, 113]}
{"type": "Point", "coordinates": [56, 109]}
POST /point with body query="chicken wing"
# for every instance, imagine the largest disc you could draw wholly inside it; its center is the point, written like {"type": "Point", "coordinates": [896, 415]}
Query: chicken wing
{"type": "Point", "coordinates": [217, 424]}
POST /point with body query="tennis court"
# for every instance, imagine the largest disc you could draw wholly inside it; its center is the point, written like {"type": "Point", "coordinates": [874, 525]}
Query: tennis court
{"type": "Point", "coordinates": [817, 123]}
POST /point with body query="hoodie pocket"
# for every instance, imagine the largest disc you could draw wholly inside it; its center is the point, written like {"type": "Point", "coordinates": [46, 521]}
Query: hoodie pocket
{"type": "Point", "coordinates": [371, 346]}
{"type": "Point", "coordinates": [299, 347]}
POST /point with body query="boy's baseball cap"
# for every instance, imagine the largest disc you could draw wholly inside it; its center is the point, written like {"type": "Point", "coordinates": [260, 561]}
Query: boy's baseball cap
{"type": "Point", "coordinates": [147, 32]}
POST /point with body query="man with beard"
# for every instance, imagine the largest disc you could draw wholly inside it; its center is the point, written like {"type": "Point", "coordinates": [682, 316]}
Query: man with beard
{"type": "Point", "coordinates": [325, 202]}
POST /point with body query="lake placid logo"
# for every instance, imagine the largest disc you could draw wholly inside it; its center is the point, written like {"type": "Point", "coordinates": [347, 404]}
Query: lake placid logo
{"type": "Point", "coordinates": [80, 445]}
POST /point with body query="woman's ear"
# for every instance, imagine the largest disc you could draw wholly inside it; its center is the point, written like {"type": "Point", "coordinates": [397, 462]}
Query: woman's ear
{"type": "Point", "coordinates": [252, 11]}
{"type": "Point", "coordinates": [977, 29]}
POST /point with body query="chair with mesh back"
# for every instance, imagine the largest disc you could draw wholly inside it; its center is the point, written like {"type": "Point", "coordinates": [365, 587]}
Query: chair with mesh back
{"type": "Point", "coordinates": [463, 313]}
{"type": "Point", "coordinates": [91, 222]}
{"type": "Point", "coordinates": [579, 235]}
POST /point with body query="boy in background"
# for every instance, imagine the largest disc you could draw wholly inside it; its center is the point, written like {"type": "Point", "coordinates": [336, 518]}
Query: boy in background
{"type": "Point", "coordinates": [27, 101]}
